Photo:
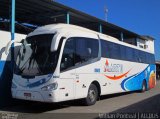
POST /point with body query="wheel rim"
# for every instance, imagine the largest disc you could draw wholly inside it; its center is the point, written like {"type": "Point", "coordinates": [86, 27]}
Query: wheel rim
{"type": "Point", "coordinates": [143, 88]}
{"type": "Point", "coordinates": [92, 95]}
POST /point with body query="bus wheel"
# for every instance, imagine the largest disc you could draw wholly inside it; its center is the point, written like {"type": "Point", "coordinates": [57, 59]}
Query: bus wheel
{"type": "Point", "coordinates": [92, 95]}
{"type": "Point", "coordinates": [144, 86]}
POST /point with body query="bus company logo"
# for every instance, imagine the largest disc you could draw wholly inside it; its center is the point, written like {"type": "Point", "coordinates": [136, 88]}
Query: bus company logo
{"type": "Point", "coordinates": [114, 68]}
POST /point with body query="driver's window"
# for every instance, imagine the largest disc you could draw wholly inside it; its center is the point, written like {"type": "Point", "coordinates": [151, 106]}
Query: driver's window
{"type": "Point", "coordinates": [68, 55]}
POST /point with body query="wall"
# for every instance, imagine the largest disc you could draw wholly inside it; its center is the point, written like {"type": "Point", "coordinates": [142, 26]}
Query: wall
{"type": "Point", "coordinates": [149, 43]}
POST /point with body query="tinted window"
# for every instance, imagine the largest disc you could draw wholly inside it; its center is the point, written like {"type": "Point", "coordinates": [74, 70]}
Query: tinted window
{"type": "Point", "coordinates": [79, 50]}
{"type": "Point", "coordinates": [143, 56]}
{"type": "Point", "coordinates": [111, 50]}
{"type": "Point", "coordinates": [116, 51]}
{"type": "Point", "coordinates": [86, 49]}
{"type": "Point", "coordinates": [136, 56]}
{"type": "Point", "coordinates": [106, 48]}
{"type": "Point", "coordinates": [123, 52]}
{"type": "Point", "coordinates": [151, 58]}
{"type": "Point", "coordinates": [68, 55]}
{"type": "Point", "coordinates": [129, 54]}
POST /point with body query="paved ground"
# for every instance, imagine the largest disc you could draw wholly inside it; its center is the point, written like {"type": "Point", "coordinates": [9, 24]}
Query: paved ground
{"type": "Point", "coordinates": [118, 103]}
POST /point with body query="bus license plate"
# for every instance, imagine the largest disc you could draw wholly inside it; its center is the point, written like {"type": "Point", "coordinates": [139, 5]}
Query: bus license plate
{"type": "Point", "coordinates": [27, 95]}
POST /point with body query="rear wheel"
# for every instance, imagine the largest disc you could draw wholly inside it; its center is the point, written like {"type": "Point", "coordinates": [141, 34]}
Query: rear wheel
{"type": "Point", "coordinates": [144, 86]}
{"type": "Point", "coordinates": [92, 95]}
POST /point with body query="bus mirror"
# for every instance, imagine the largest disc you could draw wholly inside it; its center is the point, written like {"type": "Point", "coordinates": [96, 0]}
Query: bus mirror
{"type": "Point", "coordinates": [9, 44]}
{"type": "Point", "coordinates": [8, 47]}
{"type": "Point", "coordinates": [55, 42]}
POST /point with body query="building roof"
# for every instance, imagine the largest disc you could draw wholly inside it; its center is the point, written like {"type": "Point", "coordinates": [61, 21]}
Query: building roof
{"type": "Point", "coordinates": [43, 12]}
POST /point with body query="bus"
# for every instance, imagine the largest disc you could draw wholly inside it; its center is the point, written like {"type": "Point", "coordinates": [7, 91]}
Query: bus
{"type": "Point", "coordinates": [61, 62]}
{"type": "Point", "coordinates": [5, 66]}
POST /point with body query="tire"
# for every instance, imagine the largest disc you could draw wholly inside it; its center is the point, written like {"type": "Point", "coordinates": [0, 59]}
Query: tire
{"type": "Point", "coordinates": [144, 86]}
{"type": "Point", "coordinates": [92, 95]}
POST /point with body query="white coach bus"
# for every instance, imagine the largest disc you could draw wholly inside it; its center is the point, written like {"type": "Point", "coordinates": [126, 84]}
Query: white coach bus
{"type": "Point", "coordinates": [65, 62]}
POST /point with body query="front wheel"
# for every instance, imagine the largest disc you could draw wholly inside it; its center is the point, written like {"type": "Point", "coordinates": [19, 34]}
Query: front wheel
{"type": "Point", "coordinates": [92, 95]}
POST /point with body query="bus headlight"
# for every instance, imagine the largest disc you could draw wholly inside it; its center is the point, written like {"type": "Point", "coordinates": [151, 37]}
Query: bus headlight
{"type": "Point", "coordinates": [14, 85]}
{"type": "Point", "coordinates": [50, 87]}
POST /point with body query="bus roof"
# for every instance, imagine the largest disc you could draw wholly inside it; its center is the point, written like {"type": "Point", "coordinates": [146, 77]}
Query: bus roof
{"type": "Point", "coordinates": [58, 28]}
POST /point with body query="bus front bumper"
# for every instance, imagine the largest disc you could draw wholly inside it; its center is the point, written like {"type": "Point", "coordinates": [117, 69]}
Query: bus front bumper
{"type": "Point", "coordinates": [33, 95]}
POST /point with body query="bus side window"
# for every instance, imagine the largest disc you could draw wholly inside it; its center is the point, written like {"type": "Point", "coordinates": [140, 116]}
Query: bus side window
{"type": "Point", "coordinates": [86, 50]}
{"type": "Point", "coordinates": [136, 56]}
{"type": "Point", "coordinates": [122, 52]}
{"type": "Point", "coordinates": [68, 55]}
{"type": "Point", "coordinates": [129, 54]}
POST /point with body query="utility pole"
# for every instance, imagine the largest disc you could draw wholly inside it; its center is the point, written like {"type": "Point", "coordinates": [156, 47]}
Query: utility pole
{"type": "Point", "coordinates": [106, 13]}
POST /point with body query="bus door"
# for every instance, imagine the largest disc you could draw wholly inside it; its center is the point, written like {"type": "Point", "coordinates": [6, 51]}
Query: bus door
{"type": "Point", "coordinates": [67, 70]}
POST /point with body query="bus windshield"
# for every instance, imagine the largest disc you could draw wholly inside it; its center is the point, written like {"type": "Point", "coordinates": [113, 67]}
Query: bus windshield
{"type": "Point", "coordinates": [35, 57]}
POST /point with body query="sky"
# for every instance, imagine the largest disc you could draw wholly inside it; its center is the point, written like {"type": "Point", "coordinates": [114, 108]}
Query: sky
{"type": "Point", "coordinates": [139, 16]}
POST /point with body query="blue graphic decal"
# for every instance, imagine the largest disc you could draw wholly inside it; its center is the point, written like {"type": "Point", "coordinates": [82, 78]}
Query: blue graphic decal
{"type": "Point", "coordinates": [135, 82]}
{"type": "Point", "coordinates": [123, 82]}
{"type": "Point", "coordinates": [97, 70]}
{"type": "Point", "coordinates": [38, 83]}
{"type": "Point", "coordinates": [2, 64]}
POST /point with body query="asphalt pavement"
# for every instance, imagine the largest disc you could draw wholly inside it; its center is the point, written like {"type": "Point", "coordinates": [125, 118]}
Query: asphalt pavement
{"type": "Point", "coordinates": [123, 103]}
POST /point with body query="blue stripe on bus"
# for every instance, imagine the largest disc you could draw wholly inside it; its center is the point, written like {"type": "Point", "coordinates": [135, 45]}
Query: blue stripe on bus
{"type": "Point", "coordinates": [5, 70]}
{"type": "Point", "coordinates": [124, 81]}
{"type": "Point", "coordinates": [2, 64]}
{"type": "Point", "coordinates": [40, 82]}
{"type": "Point", "coordinates": [5, 82]}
